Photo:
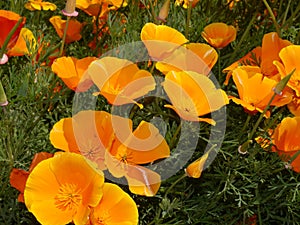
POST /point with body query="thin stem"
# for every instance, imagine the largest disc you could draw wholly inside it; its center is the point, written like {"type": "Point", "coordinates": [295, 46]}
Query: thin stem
{"type": "Point", "coordinates": [10, 34]}
{"type": "Point", "coordinates": [173, 185]}
{"type": "Point", "coordinates": [219, 65]}
{"type": "Point", "coordinates": [172, 142]}
{"type": "Point", "coordinates": [261, 117]}
{"type": "Point", "coordinates": [188, 19]}
{"type": "Point", "coordinates": [64, 36]}
{"type": "Point", "coordinates": [245, 34]}
{"type": "Point", "coordinates": [153, 12]}
{"type": "Point", "coordinates": [286, 12]}
{"type": "Point", "coordinates": [245, 126]}
{"type": "Point", "coordinates": [273, 17]}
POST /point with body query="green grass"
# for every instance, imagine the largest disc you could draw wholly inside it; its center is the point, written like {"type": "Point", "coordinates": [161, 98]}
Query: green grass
{"type": "Point", "coordinates": [232, 189]}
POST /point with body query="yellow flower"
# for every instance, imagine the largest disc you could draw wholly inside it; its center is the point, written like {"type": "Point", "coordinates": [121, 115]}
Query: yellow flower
{"type": "Point", "coordinates": [219, 35]}
{"type": "Point", "coordinates": [289, 57]}
{"type": "Point", "coordinates": [63, 189]}
{"type": "Point", "coordinates": [195, 168]}
{"type": "Point", "coordinates": [255, 91]}
{"type": "Point", "coordinates": [73, 72]}
{"type": "Point", "coordinates": [25, 39]}
{"type": "Point", "coordinates": [286, 139]}
{"type": "Point", "coordinates": [160, 40]}
{"type": "Point", "coordinates": [193, 95]}
{"type": "Point", "coordinates": [39, 5]}
{"type": "Point", "coordinates": [195, 57]}
{"type": "Point", "coordinates": [119, 80]}
{"type": "Point", "coordinates": [115, 207]}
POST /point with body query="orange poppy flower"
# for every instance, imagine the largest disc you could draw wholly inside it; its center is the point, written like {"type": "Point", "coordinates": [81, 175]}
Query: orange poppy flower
{"type": "Point", "coordinates": [195, 57]}
{"type": "Point", "coordinates": [144, 145]}
{"type": "Point", "coordinates": [286, 139]}
{"type": "Point", "coordinates": [271, 46]}
{"type": "Point", "coordinates": [33, 5]}
{"type": "Point", "coordinates": [289, 57]}
{"type": "Point", "coordinates": [219, 35]}
{"type": "Point", "coordinates": [255, 91]}
{"type": "Point", "coordinates": [20, 48]}
{"type": "Point", "coordinates": [73, 72]}
{"type": "Point", "coordinates": [294, 105]}
{"type": "Point", "coordinates": [93, 7]}
{"type": "Point", "coordinates": [193, 95]}
{"type": "Point", "coordinates": [115, 207]}
{"type": "Point", "coordinates": [160, 40]}
{"type": "Point", "coordinates": [18, 177]}
{"type": "Point", "coordinates": [62, 189]}
{"type": "Point", "coordinates": [8, 20]}
{"type": "Point", "coordinates": [119, 80]}
{"type": "Point", "coordinates": [73, 31]}
{"type": "Point", "coordinates": [89, 133]}
{"type": "Point", "coordinates": [252, 58]}
{"type": "Point", "coordinates": [195, 168]}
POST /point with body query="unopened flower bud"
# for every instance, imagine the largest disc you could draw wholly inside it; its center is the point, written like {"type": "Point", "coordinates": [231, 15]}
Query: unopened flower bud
{"type": "Point", "coordinates": [164, 11]}
{"type": "Point", "coordinates": [70, 8]}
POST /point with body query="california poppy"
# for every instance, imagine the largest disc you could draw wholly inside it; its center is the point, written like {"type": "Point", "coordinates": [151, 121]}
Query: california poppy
{"type": "Point", "coordinates": [294, 105]}
{"type": "Point", "coordinates": [89, 133]}
{"type": "Point", "coordinates": [195, 168]}
{"type": "Point", "coordinates": [252, 58]}
{"type": "Point", "coordinates": [119, 80]}
{"type": "Point", "coordinates": [93, 7]}
{"type": "Point", "coordinates": [26, 39]}
{"type": "Point", "coordinates": [289, 57]}
{"type": "Point", "coordinates": [144, 145]}
{"type": "Point", "coordinates": [160, 40]}
{"type": "Point", "coordinates": [63, 189]}
{"type": "Point", "coordinates": [271, 46]}
{"type": "Point", "coordinates": [219, 35]}
{"type": "Point", "coordinates": [73, 72]}
{"type": "Point", "coordinates": [8, 20]}
{"type": "Point", "coordinates": [39, 5]}
{"type": "Point", "coordinates": [195, 57]}
{"type": "Point", "coordinates": [193, 95]}
{"type": "Point", "coordinates": [255, 91]}
{"type": "Point", "coordinates": [73, 31]}
{"type": "Point", "coordinates": [115, 207]}
{"type": "Point", "coordinates": [18, 177]}
{"type": "Point", "coordinates": [286, 140]}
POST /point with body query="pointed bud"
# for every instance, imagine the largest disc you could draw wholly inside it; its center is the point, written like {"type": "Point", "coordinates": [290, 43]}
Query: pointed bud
{"type": "Point", "coordinates": [164, 11]}
{"type": "Point", "coordinates": [282, 83]}
{"type": "Point", "coordinates": [3, 99]}
{"type": "Point", "coordinates": [70, 8]}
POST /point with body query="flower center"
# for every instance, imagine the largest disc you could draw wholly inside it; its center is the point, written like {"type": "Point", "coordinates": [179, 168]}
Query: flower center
{"type": "Point", "coordinates": [68, 197]}
{"type": "Point", "coordinates": [102, 218]}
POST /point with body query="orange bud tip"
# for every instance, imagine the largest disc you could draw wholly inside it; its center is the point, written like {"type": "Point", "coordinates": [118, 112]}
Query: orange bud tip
{"type": "Point", "coordinates": [75, 13]}
{"type": "Point", "coordinates": [4, 59]}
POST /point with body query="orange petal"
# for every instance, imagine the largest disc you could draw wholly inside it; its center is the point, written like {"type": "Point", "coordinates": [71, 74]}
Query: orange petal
{"type": "Point", "coordinates": [142, 181]}
{"type": "Point", "coordinates": [116, 207]}
{"type": "Point", "coordinates": [219, 35]}
{"type": "Point", "coordinates": [271, 46]}
{"type": "Point", "coordinates": [161, 40]}
{"type": "Point", "coordinates": [38, 157]}
{"type": "Point", "coordinates": [20, 48]}
{"type": "Point", "coordinates": [18, 180]}
{"type": "Point", "coordinates": [195, 168]}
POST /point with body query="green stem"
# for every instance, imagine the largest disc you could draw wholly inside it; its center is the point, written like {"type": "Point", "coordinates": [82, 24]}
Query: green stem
{"type": "Point", "coordinates": [261, 117]}
{"type": "Point", "coordinates": [188, 19]}
{"type": "Point", "coordinates": [10, 34]}
{"type": "Point", "coordinates": [273, 17]}
{"type": "Point", "coordinates": [286, 12]}
{"type": "Point", "coordinates": [245, 34]}
{"type": "Point", "coordinates": [173, 185]}
{"type": "Point", "coordinates": [245, 126]}
{"type": "Point", "coordinates": [172, 142]}
{"type": "Point", "coordinates": [64, 36]}
{"type": "Point", "coordinates": [153, 12]}
{"type": "Point", "coordinates": [219, 65]}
